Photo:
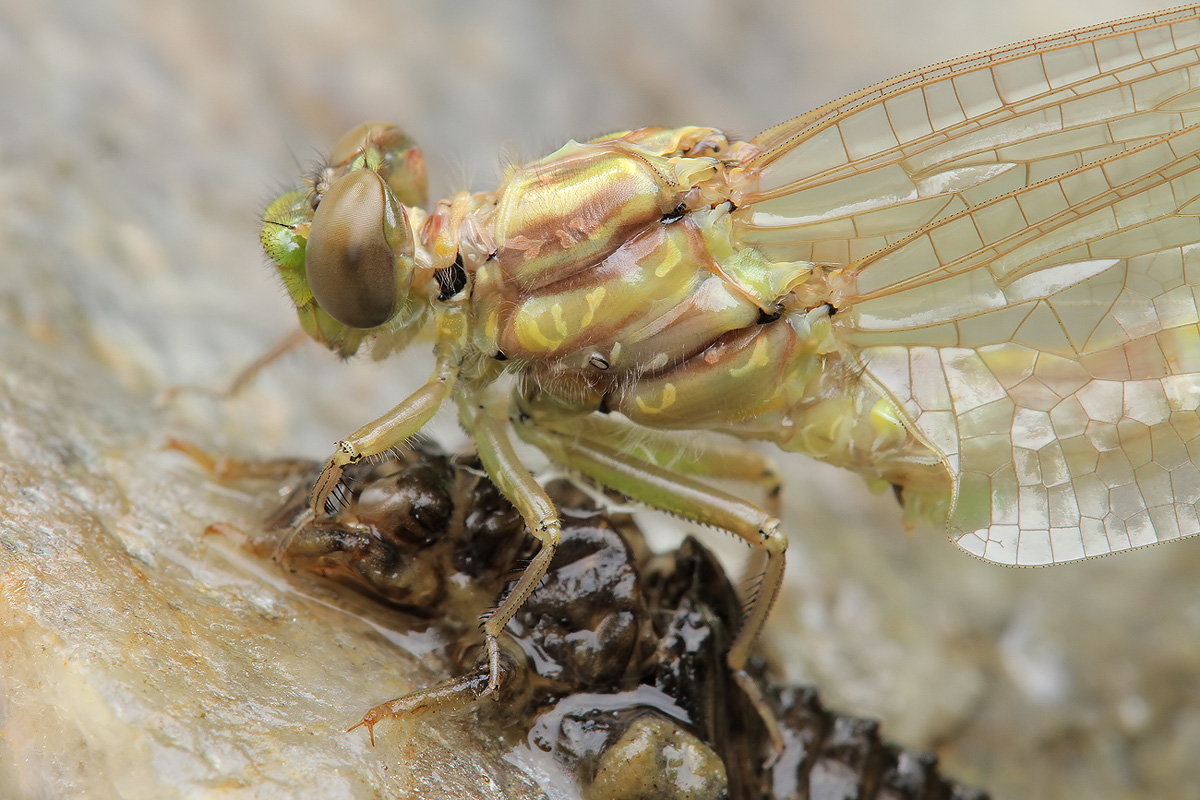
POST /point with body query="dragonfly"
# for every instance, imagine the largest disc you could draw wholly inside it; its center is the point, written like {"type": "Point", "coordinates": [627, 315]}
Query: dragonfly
{"type": "Point", "coordinates": [975, 283]}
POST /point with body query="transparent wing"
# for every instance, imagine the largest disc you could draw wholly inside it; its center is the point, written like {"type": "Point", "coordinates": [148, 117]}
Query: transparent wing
{"type": "Point", "coordinates": [859, 174]}
{"type": "Point", "coordinates": [1046, 343]}
{"type": "Point", "coordinates": [1023, 245]}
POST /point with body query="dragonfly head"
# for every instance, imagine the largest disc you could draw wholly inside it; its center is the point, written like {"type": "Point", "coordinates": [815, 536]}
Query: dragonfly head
{"type": "Point", "coordinates": [345, 246]}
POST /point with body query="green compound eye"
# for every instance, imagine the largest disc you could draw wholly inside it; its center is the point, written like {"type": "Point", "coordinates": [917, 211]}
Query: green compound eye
{"type": "Point", "coordinates": [359, 237]}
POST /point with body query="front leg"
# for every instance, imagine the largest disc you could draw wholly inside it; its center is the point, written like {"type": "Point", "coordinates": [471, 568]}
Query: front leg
{"type": "Point", "coordinates": [402, 422]}
{"type": "Point", "coordinates": [378, 437]}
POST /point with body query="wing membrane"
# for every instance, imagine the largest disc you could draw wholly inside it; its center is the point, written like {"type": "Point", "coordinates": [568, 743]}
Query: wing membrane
{"type": "Point", "coordinates": [1046, 343]}
{"type": "Point", "coordinates": [857, 175]}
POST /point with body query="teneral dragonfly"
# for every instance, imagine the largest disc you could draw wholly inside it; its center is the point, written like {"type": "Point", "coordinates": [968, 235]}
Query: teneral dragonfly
{"type": "Point", "coordinates": [975, 282]}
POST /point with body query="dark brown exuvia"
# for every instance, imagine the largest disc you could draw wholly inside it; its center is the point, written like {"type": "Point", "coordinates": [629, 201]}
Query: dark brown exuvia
{"type": "Point", "coordinates": [618, 655]}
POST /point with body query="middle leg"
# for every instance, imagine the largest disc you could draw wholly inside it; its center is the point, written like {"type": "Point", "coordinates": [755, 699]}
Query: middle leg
{"type": "Point", "coordinates": [607, 462]}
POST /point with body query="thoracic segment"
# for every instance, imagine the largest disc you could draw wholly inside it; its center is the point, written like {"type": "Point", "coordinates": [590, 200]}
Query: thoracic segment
{"type": "Point", "coordinates": [618, 285]}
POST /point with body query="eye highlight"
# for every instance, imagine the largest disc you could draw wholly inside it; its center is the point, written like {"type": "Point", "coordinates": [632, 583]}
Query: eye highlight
{"type": "Point", "coordinates": [358, 231]}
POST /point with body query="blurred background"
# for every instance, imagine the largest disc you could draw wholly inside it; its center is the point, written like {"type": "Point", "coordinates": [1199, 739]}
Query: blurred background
{"type": "Point", "coordinates": [139, 141]}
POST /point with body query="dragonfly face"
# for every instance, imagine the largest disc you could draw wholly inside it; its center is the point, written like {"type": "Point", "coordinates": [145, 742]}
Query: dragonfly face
{"type": "Point", "coordinates": [976, 283]}
{"type": "Point", "coordinates": [344, 246]}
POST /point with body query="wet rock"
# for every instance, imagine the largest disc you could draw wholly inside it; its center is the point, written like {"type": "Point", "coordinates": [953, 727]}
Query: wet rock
{"type": "Point", "coordinates": [653, 760]}
{"type": "Point", "coordinates": [142, 657]}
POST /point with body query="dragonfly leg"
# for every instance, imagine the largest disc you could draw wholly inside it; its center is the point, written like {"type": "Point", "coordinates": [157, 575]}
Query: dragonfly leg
{"type": "Point", "coordinates": [676, 493]}
{"type": "Point", "coordinates": [402, 422]}
{"type": "Point", "coordinates": [714, 457]}
{"type": "Point", "coordinates": [515, 482]}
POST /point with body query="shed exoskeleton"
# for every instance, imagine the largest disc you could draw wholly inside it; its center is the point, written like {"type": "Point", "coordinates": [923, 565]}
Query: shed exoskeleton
{"type": "Point", "coordinates": [975, 283]}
